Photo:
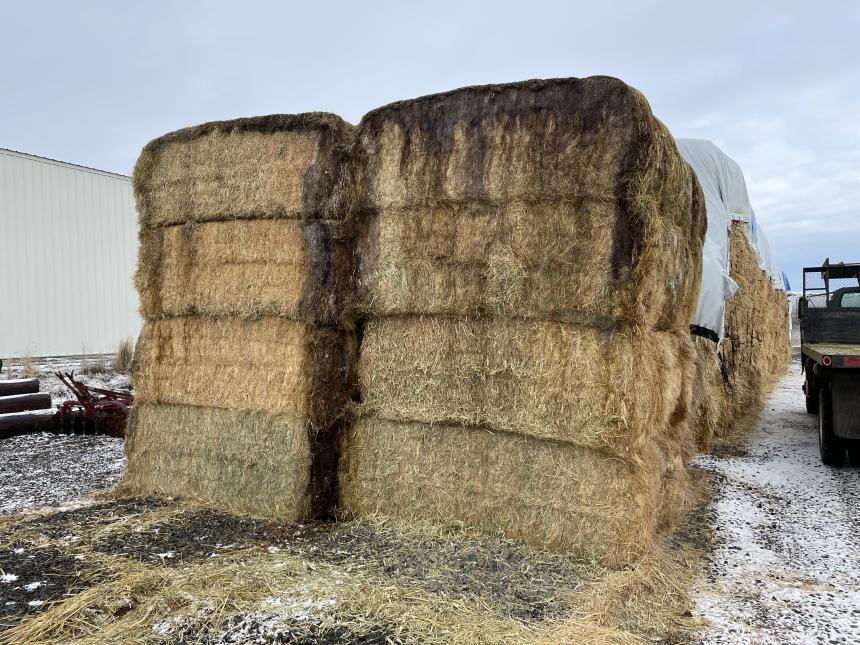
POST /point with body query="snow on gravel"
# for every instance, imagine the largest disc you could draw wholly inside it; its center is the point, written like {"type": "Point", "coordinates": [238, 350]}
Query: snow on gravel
{"type": "Point", "coordinates": [47, 470]}
{"type": "Point", "coordinates": [786, 564]}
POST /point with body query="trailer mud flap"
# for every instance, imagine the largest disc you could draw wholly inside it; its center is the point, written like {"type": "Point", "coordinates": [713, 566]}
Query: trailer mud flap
{"type": "Point", "coordinates": [846, 405]}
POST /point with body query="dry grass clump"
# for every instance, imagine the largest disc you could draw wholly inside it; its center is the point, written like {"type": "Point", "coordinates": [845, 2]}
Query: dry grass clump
{"type": "Point", "coordinates": [548, 380]}
{"type": "Point", "coordinates": [550, 494]}
{"type": "Point", "coordinates": [246, 462]}
{"type": "Point", "coordinates": [27, 366]}
{"type": "Point", "coordinates": [473, 218]}
{"type": "Point", "coordinates": [757, 347]}
{"type": "Point", "coordinates": [124, 355]}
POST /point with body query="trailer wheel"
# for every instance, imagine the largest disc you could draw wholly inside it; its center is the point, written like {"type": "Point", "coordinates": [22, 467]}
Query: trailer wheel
{"type": "Point", "coordinates": [811, 395]}
{"type": "Point", "coordinates": [832, 448]}
{"type": "Point", "coordinates": [854, 453]}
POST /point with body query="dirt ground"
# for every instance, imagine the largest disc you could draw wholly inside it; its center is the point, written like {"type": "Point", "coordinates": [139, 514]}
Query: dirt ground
{"type": "Point", "coordinates": [785, 567]}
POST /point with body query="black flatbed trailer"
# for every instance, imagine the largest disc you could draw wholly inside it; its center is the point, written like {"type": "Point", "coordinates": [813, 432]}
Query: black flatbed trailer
{"type": "Point", "coordinates": [830, 357]}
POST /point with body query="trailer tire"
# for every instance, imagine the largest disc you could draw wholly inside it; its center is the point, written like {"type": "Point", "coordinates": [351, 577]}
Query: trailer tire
{"type": "Point", "coordinates": [811, 398]}
{"type": "Point", "coordinates": [831, 447]}
{"type": "Point", "coordinates": [854, 453]}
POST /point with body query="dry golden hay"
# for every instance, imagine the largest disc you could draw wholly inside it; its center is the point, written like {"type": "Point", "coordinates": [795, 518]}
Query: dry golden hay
{"type": "Point", "coordinates": [550, 494]}
{"type": "Point", "coordinates": [757, 346]}
{"type": "Point", "coordinates": [468, 185]}
{"type": "Point", "coordinates": [558, 381]}
{"type": "Point", "coordinates": [245, 462]}
{"type": "Point", "coordinates": [299, 269]}
{"type": "Point", "coordinates": [273, 365]}
{"type": "Point", "coordinates": [282, 165]}
{"type": "Point", "coordinates": [710, 413]}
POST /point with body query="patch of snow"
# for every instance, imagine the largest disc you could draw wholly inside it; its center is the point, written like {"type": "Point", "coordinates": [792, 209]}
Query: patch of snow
{"type": "Point", "coordinates": [8, 578]}
{"type": "Point", "coordinates": [786, 567]}
{"type": "Point", "coordinates": [36, 603]}
{"type": "Point", "coordinates": [33, 586]}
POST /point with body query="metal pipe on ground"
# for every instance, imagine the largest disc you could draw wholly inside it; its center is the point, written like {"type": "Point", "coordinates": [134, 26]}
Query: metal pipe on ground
{"type": "Point", "coordinates": [23, 402]}
{"type": "Point", "coordinates": [17, 423]}
{"type": "Point", "coordinates": [19, 386]}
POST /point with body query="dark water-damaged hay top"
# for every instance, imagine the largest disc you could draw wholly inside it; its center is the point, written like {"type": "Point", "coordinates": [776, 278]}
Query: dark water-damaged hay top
{"type": "Point", "coordinates": [533, 140]}
{"type": "Point", "coordinates": [281, 165]}
{"type": "Point", "coordinates": [588, 149]}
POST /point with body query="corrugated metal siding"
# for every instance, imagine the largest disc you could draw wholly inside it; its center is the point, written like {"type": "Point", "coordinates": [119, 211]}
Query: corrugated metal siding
{"type": "Point", "coordinates": [68, 246]}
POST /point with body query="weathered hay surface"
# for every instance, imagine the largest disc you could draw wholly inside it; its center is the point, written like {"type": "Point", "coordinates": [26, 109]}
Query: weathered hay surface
{"type": "Point", "coordinates": [469, 184]}
{"type": "Point", "coordinates": [295, 269]}
{"type": "Point", "coordinates": [273, 365]}
{"type": "Point", "coordinates": [246, 462]}
{"type": "Point", "coordinates": [550, 494]}
{"type": "Point", "coordinates": [282, 165]}
{"type": "Point", "coordinates": [244, 267]}
{"type": "Point", "coordinates": [711, 414]}
{"type": "Point", "coordinates": [558, 381]}
{"type": "Point", "coordinates": [757, 346]}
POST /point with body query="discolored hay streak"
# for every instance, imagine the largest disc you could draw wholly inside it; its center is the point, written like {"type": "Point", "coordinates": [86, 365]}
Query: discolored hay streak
{"type": "Point", "coordinates": [246, 268]}
{"type": "Point", "coordinates": [550, 494]}
{"type": "Point", "coordinates": [282, 165]}
{"type": "Point", "coordinates": [544, 261]}
{"type": "Point", "coordinates": [757, 347]}
{"type": "Point", "coordinates": [535, 146]}
{"type": "Point", "coordinates": [246, 462]}
{"type": "Point", "coordinates": [542, 379]}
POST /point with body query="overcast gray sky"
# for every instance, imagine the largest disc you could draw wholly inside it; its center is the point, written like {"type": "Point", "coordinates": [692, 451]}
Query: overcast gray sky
{"type": "Point", "coordinates": [776, 85]}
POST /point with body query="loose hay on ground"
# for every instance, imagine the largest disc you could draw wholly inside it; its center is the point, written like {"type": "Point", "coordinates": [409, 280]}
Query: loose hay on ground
{"type": "Point", "coordinates": [403, 580]}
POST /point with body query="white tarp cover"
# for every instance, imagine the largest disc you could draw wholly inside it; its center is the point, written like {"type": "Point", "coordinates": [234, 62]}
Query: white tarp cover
{"type": "Point", "coordinates": [726, 200]}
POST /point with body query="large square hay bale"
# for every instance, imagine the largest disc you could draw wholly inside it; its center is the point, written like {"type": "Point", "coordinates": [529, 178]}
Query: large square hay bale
{"type": "Point", "coordinates": [570, 383]}
{"type": "Point", "coordinates": [756, 348]}
{"type": "Point", "coordinates": [482, 176]}
{"type": "Point", "coordinates": [246, 462]}
{"type": "Point", "coordinates": [274, 365]}
{"type": "Point", "coordinates": [282, 165]}
{"type": "Point", "coordinates": [300, 269]}
{"type": "Point", "coordinates": [554, 495]}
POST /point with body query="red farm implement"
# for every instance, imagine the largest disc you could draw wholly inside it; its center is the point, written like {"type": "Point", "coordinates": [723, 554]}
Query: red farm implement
{"type": "Point", "coordinates": [96, 411]}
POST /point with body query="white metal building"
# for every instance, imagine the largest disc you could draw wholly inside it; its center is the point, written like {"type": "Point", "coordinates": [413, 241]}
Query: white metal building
{"type": "Point", "coordinates": [68, 247]}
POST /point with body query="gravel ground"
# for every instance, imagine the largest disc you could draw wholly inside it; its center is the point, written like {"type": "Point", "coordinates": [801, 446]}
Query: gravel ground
{"type": "Point", "coordinates": [49, 470]}
{"type": "Point", "coordinates": [786, 562]}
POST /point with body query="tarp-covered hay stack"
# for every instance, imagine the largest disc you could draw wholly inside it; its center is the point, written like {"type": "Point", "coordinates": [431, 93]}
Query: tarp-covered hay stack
{"type": "Point", "coordinates": [243, 366]}
{"type": "Point", "coordinates": [528, 276]}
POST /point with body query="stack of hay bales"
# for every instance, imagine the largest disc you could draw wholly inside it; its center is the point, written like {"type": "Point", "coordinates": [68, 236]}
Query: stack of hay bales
{"type": "Point", "coordinates": [528, 274]}
{"type": "Point", "coordinates": [757, 345]}
{"type": "Point", "coordinates": [243, 366]}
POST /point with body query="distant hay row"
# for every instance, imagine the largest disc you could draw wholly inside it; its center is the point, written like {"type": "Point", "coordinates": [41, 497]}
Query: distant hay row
{"type": "Point", "coordinates": [471, 308]}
